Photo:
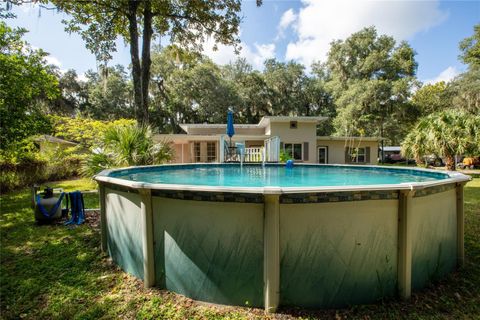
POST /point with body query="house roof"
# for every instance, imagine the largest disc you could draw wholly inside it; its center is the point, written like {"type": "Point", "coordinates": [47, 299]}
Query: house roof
{"type": "Point", "coordinates": [52, 139]}
{"type": "Point", "coordinates": [392, 148]}
{"type": "Point", "coordinates": [332, 138]}
{"type": "Point", "coordinates": [185, 138]}
{"type": "Point", "coordinates": [275, 119]}
{"type": "Point", "coordinates": [186, 126]}
{"type": "Point", "coordinates": [264, 122]}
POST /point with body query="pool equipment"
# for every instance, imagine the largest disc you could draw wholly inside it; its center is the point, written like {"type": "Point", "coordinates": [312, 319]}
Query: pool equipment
{"type": "Point", "coordinates": [289, 164]}
{"type": "Point", "coordinates": [49, 207]}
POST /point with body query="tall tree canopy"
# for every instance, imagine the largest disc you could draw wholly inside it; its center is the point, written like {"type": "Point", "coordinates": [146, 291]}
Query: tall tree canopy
{"type": "Point", "coordinates": [187, 23]}
{"type": "Point", "coordinates": [433, 98]}
{"type": "Point", "coordinates": [371, 79]}
{"type": "Point", "coordinates": [450, 124]}
{"type": "Point", "coordinates": [25, 79]}
{"type": "Point", "coordinates": [251, 90]}
{"type": "Point", "coordinates": [470, 48]}
{"type": "Point", "coordinates": [109, 94]}
{"type": "Point", "coordinates": [466, 87]}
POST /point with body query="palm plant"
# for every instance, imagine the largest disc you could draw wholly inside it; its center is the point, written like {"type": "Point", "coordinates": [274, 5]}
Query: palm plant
{"type": "Point", "coordinates": [447, 133]}
{"type": "Point", "coordinates": [127, 146]}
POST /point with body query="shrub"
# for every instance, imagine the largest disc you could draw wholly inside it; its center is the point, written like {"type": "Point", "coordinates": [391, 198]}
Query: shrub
{"type": "Point", "coordinates": [26, 166]}
{"type": "Point", "coordinates": [284, 157]}
{"type": "Point", "coordinates": [87, 132]}
{"type": "Point", "coordinates": [20, 171]}
{"type": "Point", "coordinates": [124, 146]}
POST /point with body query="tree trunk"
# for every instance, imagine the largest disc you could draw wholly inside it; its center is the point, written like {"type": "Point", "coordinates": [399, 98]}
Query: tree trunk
{"type": "Point", "coordinates": [146, 61]}
{"type": "Point", "coordinates": [450, 162]}
{"type": "Point", "coordinates": [136, 68]}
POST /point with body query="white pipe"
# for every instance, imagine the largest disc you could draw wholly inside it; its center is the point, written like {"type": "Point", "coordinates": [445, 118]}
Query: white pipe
{"type": "Point", "coordinates": [241, 157]}
{"type": "Point", "coordinates": [263, 157]}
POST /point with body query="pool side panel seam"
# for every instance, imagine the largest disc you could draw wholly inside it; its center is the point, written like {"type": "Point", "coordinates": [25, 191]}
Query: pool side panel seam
{"type": "Point", "coordinates": [433, 190]}
{"type": "Point", "coordinates": [320, 197]}
{"type": "Point", "coordinates": [210, 196]}
{"type": "Point", "coordinates": [286, 198]}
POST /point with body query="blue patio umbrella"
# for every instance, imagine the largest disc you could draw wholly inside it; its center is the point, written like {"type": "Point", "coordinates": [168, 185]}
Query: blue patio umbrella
{"type": "Point", "coordinates": [230, 128]}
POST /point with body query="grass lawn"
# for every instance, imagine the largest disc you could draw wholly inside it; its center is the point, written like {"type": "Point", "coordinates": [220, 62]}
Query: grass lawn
{"type": "Point", "coordinates": [58, 272]}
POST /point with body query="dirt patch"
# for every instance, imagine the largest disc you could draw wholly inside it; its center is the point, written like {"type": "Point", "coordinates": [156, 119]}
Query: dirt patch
{"type": "Point", "coordinates": [92, 219]}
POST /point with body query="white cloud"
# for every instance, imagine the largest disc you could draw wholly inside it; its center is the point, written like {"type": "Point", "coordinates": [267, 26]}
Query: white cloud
{"type": "Point", "coordinates": [225, 54]}
{"type": "Point", "coordinates": [446, 75]}
{"type": "Point", "coordinates": [320, 22]}
{"type": "Point", "coordinates": [53, 60]}
{"type": "Point", "coordinates": [263, 52]}
{"type": "Point", "coordinates": [287, 19]}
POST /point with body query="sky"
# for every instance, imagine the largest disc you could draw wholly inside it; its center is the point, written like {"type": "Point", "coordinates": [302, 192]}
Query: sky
{"type": "Point", "coordinates": [295, 30]}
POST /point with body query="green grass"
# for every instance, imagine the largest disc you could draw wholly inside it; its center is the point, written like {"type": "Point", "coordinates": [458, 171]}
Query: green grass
{"type": "Point", "coordinates": [57, 272]}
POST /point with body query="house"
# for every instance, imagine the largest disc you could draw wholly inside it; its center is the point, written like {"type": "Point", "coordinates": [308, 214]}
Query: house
{"type": "Point", "coordinates": [294, 136]}
{"type": "Point", "coordinates": [47, 143]}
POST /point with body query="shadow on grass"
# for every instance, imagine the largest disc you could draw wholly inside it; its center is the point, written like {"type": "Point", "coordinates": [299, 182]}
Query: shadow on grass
{"type": "Point", "coordinates": [53, 272]}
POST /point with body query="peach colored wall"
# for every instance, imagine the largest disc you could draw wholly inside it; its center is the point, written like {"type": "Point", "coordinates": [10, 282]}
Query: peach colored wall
{"type": "Point", "coordinates": [187, 154]}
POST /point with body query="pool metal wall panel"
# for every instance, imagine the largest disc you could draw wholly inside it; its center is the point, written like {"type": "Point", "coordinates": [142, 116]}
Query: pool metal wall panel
{"type": "Point", "coordinates": [336, 254]}
{"type": "Point", "coordinates": [434, 236]}
{"type": "Point", "coordinates": [125, 230]}
{"type": "Point", "coordinates": [210, 251]}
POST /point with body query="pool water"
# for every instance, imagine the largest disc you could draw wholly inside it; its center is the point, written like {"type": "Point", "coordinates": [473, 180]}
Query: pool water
{"type": "Point", "coordinates": [275, 175]}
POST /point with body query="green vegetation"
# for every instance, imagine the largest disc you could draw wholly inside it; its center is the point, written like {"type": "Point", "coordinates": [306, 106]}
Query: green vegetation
{"type": "Point", "coordinates": [448, 133]}
{"type": "Point", "coordinates": [85, 131]}
{"type": "Point", "coordinates": [124, 146]}
{"type": "Point", "coordinates": [371, 81]}
{"type": "Point", "coordinates": [57, 272]}
{"type": "Point", "coordinates": [25, 82]}
{"type": "Point", "coordinates": [24, 163]}
{"type": "Point", "coordinates": [188, 25]}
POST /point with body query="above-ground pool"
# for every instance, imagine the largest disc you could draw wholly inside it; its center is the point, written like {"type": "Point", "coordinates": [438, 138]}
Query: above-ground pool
{"type": "Point", "coordinates": [313, 236]}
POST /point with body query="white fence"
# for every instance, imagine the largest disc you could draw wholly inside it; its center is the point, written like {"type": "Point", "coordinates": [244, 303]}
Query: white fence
{"type": "Point", "coordinates": [253, 154]}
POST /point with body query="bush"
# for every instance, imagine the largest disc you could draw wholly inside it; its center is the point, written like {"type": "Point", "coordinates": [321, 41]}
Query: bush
{"type": "Point", "coordinates": [117, 143]}
{"type": "Point", "coordinates": [22, 171]}
{"type": "Point", "coordinates": [284, 157]}
{"type": "Point", "coordinates": [124, 146]}
{"type": "Point", "coordinates": [25, 166]}
{"type": "Point", "coordinates": [64, 164]}
{"type": "Point", "coordinates": [87, 132]}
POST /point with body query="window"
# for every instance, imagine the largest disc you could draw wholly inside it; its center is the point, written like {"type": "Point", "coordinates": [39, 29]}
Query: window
{"type": "Point", "coordinates": [358, 155]}
{"type": "Point", "coordinates": [293, 150]}
{"type": "Point", "coordinates": [211, 152]}
{"type": "Point", "coordinates": [293, 124]}
{"type": "Point", "coordinates": [196, 151]}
